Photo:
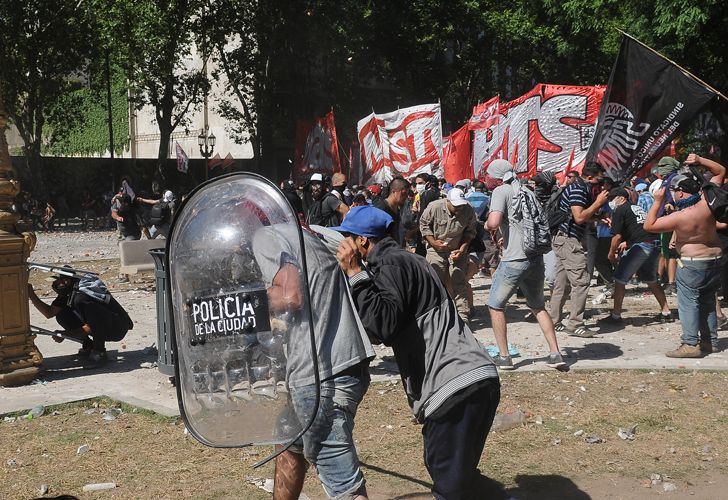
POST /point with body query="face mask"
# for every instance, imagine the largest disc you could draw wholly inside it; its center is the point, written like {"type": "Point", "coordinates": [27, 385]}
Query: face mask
{"type": "Point", "coordinates": [492, 183]}
{"type": "Point", "coordinates": [613, 205]}
{"type": "Point", "coordinates": [420, 188]}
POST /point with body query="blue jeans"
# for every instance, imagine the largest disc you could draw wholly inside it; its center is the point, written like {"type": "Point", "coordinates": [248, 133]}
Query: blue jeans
{"type": "Point", "coordinates": [329, 444]}
{"type": "Point", "coordinates": [641, 258]}
{"type": "Point", "coordinates": [528, 274]}
{"type": "Point", "coordinates": [697, 283]}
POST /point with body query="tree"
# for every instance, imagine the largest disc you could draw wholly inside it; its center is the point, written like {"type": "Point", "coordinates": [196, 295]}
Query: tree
{"type": "Point", "coordinates": [44, 52]}
{"type": "Point", "coordinates": [153, 41]}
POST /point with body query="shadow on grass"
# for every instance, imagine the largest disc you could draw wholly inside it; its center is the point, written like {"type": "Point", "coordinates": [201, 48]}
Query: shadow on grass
{"type": "Point", "coordinates": [542, 487]}
{"type": "Point", "coordinates": [548, 487]}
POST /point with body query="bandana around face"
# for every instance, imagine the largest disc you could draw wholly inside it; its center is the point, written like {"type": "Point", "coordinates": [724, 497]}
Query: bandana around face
{"type": "Point", "coordinates": [491, 182]}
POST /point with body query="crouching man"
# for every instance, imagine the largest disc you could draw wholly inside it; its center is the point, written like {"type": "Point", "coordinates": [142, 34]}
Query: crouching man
{"type": "Point", "coordinates": [451, 383]}
{"type": "Point", "coordinates": [85, 309]}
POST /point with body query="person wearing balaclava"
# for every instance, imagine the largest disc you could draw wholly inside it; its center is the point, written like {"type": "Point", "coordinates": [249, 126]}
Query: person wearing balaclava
{"type": "Point", "coordinates": [582, 206]}
{"type": "Point", "coordinates": [516, 269]}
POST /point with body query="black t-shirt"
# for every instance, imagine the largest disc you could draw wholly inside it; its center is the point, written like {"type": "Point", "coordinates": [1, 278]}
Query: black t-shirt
{"type": "Point", "coordinates": [627, 221]}
{"type": "Point", "coordinates": [393, 231]}
{"type": "Point", "coordinates": [129, 226]}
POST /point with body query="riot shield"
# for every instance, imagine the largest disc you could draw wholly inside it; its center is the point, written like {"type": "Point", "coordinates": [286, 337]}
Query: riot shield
{"type": "Point", "coordinates": [237, 326]}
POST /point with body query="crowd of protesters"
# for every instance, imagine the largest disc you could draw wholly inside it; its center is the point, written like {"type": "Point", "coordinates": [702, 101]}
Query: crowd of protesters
{"type": "Point", "coordinates": [134, 215]}
{"type": "Point", "coordinates": [599, 230]}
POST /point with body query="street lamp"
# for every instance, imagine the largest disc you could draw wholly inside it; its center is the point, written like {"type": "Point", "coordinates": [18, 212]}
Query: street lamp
{"type": "Point", "coordinates": [207, 146]}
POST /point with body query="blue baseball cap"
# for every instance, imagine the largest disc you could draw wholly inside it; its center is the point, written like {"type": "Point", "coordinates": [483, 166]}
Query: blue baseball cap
{"type": "Point", "coordinates": [367, 221]}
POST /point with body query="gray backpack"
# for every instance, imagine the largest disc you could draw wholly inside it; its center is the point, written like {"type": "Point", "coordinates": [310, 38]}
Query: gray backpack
{"type": "Point", "coordinates": [528, 211]}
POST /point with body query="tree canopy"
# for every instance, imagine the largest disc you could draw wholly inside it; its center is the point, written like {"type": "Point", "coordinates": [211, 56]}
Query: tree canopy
{"type": "Point", "coordinates": [285, 61]}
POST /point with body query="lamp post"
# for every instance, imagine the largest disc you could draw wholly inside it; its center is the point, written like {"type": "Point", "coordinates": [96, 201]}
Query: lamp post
{"type": "Point", "coordinates": [207, 146]}
{"type": "Point", "coordinates": [19, 357]}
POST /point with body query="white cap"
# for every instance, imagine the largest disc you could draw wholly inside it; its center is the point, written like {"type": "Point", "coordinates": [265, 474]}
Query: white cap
{"type": "Point", "coordinates": [655, 186]}
{"type": "Point", "coordinates": [456, 197]}
{"type": "Point", "coordinates": [316, 178]}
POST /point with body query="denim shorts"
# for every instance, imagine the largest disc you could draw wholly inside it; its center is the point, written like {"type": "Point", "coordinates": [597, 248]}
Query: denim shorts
{"type": "Point", "coordinates": [329, 444]}
{"type": "Point", "coordinates": [640, 258]}
{"type": "Point", "coordinates": [527, 274]}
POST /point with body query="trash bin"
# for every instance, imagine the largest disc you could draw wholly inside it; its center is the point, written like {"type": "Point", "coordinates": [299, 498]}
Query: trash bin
{"type": "Point", "coordinates": [165, 362]}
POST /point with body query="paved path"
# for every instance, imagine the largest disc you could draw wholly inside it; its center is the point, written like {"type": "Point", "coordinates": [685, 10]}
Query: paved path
{"type": "Point", "coordinates": [641, 345]}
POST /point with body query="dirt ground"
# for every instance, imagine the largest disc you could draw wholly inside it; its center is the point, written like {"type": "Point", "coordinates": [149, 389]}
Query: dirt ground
{"type": "Point", "coordinates": [678, 442]}
{"type": "Point", "coordinates": [677, 451]}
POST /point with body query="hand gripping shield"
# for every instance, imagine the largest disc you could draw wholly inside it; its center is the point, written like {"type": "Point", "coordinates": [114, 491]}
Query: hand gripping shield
{"type": "Point", "coordinates": [238, 292]}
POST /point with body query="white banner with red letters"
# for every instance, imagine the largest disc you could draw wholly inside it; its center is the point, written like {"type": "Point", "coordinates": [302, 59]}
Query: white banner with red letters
{"type": "Point", "coordinates": [405, 142]}
{"type": "Point", "coordinates": [549, 128]}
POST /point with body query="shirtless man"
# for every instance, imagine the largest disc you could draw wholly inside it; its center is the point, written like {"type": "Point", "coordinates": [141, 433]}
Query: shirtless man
{"type": "Point", "coordinates": [699, 265]}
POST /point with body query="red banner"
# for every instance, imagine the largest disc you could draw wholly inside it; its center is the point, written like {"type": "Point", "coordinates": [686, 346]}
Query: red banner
{"type": "Point", "coordinates": [317, 148]}
{"type": "Point", "coordinates": [456, 156]}
{"type": "Point", "coordinates": [549, 128]}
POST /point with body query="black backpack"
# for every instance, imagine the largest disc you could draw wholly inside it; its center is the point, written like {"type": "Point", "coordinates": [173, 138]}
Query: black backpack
{"type": "Point", "coordinates": [554, 215]}
{"type": "Point", "coordinates": [160, 213]}
{"type": "Point", "coordinates": [715, 195]}
{"type": "Point", "coordinates": [318, 216]}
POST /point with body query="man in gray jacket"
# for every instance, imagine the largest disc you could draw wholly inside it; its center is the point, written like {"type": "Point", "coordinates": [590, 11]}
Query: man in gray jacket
{"type": "Point", "coordinates": [451, 383]}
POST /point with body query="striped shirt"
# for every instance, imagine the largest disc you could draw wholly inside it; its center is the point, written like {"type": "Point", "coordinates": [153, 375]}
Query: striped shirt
{"type": "Point", "coordinates": [578, 194]}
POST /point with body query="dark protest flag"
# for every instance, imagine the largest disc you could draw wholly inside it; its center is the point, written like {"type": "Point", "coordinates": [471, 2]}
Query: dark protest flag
{"type": "Point", "coordinates": [648, 100]}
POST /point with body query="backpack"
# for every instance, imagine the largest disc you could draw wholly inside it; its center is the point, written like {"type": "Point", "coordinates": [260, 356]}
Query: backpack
{"type": "Point", "coordinates": [316, 215]}
{"type": "Point", "coordinates": [160, 213]}
{"type": "Point", "coordinates": [715, 196]}
{"type": "Point", "coordinates": [554, 215]}
{"type": "Point", "coordinates": [528, 211]}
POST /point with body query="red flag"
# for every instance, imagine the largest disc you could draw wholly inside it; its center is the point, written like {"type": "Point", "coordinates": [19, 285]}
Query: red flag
{"type": "Point", "coordinates": [317, 147]}
{"type": "Point", "coordinates": [456, 156]}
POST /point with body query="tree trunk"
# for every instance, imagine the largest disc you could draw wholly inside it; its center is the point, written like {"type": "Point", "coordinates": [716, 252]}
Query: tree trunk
{"type": "Point", "coordinates": [165, 132]}
{"type": "Point", "coordinates": [33, 165]}
{"type": "Point", "coordinates": [5, 162]}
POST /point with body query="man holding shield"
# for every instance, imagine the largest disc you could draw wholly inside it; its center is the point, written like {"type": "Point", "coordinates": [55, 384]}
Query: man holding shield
{"type": "Point", "coordinates": [343, 354]}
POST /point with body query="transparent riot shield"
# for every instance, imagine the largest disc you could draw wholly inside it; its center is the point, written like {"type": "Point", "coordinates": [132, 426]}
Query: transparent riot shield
{"type": "Point", "coordinates": [238, 292]}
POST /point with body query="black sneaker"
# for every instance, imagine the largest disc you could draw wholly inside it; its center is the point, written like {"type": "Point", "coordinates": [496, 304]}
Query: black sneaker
{"type": "Point", "coordinates": [664, 318]}
{"type": "Point", "coordinates": [503, 362]}
{"type": "Point", "coordinates": [611, 320]}
{"type": "Point", "coordinates": [96, 359]}
{"type": "Point", "coordinates": [86, 349]}
{"type": "Point", "coordinates": [671, 289]}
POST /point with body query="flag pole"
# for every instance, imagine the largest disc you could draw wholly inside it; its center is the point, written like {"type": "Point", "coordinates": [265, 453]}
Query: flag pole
{"type": "Point", "coordinates": [711, 88]}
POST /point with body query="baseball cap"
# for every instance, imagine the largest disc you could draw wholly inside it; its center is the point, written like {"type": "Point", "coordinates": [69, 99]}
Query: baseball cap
{"type": "Point", "coordinates": [456, 197]}
{"type": "Point", "coordinates": [316, 178]}
{"type": "Point", "coordinates": [366, 221]}
{"type": "Point", "coordinates": [684, 183]}
{"type": "Point", "coordinates": [618, 191]}
{"type": "Point", "coordinates": [464, 183]}
{"type": "Point", "coordinates": [375, 189]}
{"type": "Point", "coordinates": [640, 187]}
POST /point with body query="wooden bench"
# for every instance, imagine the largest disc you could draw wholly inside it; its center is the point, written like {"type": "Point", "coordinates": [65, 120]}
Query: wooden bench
{"type": "Point", "coordinates": [135, 257]}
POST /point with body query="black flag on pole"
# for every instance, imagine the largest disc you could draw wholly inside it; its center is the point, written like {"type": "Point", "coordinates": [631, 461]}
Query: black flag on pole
{"type": "Point", "coordinates": [648, 100]}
